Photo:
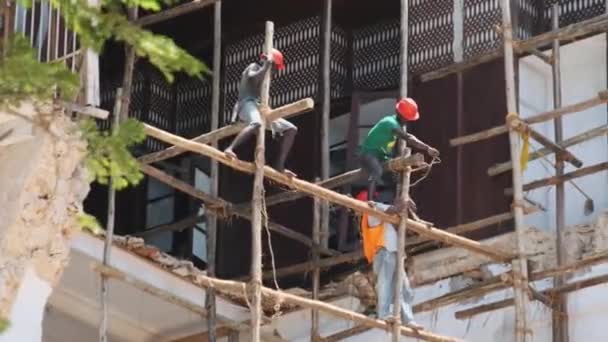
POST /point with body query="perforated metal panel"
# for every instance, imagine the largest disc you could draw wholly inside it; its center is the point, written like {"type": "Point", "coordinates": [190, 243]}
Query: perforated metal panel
{"type": "Point", "coordinates": [193, 110]}
{"type": "Point", "coordinates": [300, 44]}
{"type": "Point", "coordinates": [431, 34]}
{"type": "Point", "coordinates": [376, 62]}
{"type": "Point", "coordinates": [572, 11]}
{"type": "Point", "coordinates": [529, 18]}
{"type": "Point", "coordinates": [480, 20]}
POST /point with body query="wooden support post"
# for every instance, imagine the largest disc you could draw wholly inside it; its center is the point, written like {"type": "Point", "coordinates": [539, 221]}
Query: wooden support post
{"type": "Point", "coordinates": [257, 205]}
{"type": "Point", "coordinates": [299, 107]}
{"type": "Point", "coordinates": [220, 207]}
{"type": "Point", "coordinates": [173, 12]}
{"type": "Point", "coordinates": [127, 78]}
{"type": "Point", "coordinates": [313, 190]}
{"type": "Point", "coordinates": [326, 102]}
{"type": "Point", "coordinates": [554, 180]}
{"type": "Point", "coordinates": [601, 98]}
{"type": "Point", "coordinates": [559, 313]}
{"type": "Point", "coordinates": [85, 110]}
{"type": "Point", "coordinates": [109, 239]}
{"type": "Point", "coordinates": [316, 275]}
{"type": "Point", "coordinates": [210, 302]}
{"type": "Point", "coordinates": [519, 265]}
{"type": "Point", "coordinates": [577, 139]}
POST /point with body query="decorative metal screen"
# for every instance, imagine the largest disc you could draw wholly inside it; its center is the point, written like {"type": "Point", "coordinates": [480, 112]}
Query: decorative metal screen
{"type": "Point", "coordinates": [480, 20]}
{"type": "Point", "coordinates": [300, 43]}
{"type": "Point", "coordinates": [376, 62]}
{"type": "Point", "coordinates": [193, 110]}
{"type": "Point", "coordinates": [573, 11]}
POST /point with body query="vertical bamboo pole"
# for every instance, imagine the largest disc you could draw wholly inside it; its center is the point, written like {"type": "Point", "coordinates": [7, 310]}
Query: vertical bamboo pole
{"type": "Point", "coordinates": [107, 248]}
{"type": "Point", "coordinates": [257, 204]}
{"type": "Point", "coordinates": [405, 182]}
{"type": "Point", "coordinates": [520, 269]}
{"type": "Point", "coordinates": [127, 79]}
{"type": "Point", "coordinates": [316, 275]}
{"type": "Point", "coordinates": [215, 119]}
{"type": "Point", "coordinates": [560, 320]}
{"type": "Point", "coordinates": [325, 121]}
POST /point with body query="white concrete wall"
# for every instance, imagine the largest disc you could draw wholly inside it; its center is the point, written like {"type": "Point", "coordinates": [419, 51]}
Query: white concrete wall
{"type": "Point", "coordinates": [583, 67]}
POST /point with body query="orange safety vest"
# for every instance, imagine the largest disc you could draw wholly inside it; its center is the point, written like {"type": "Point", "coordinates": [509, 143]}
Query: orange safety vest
{"type": "Point", "coordinates": [373, 238]}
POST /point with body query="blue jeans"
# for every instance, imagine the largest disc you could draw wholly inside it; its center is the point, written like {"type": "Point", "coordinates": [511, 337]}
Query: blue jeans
{"type": "Point", "coordinates": [385, 263]}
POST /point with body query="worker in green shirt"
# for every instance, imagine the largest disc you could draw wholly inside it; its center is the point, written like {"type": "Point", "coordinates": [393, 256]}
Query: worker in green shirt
{"type": "Point", "coordinates": [381, 139]}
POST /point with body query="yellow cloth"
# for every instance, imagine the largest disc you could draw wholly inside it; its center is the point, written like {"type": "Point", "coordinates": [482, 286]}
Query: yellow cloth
{"type": "Point", "coordinates": [525, 151]}
{"type": "Point", "coordinates": [373, 238]}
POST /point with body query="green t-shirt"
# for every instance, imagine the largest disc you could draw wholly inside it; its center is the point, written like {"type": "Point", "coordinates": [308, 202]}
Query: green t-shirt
{"type": "Point", "coordinates": [381, 138]}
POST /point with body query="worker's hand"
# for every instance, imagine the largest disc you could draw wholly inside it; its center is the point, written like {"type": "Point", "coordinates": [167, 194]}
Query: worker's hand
{"type": "Point", "coordinates": [433, 152]}
{"type": "Point", "coordinates": [267, 57]}
{"type": "Point", "coordinates": [399, 206]}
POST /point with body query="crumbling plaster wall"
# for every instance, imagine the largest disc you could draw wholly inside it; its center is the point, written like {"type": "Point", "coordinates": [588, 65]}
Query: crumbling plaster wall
{"type": "Point", "coordinates": [42, 186]}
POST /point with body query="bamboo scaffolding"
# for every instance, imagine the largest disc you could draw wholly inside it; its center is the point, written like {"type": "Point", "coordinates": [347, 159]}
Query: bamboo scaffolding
{"type": "Point", "coordinates": [601, 98]}
{"type": "Point", "coordinates": [577, 139]}
{"type": "Point", "coordinates": [173, 12]}
{"type": "Point", "coordinates": [574, 286]}
{"type": "Point", "coordinates": [317, 191]}
{"type": "Point", "coordinates": [554, 180]}
{"type": "Point", "coordinates": [86, 110]}
{"type": "Point", "coordinates": [107, 247]}
{"type": "Point", "coordinates": [503, 281]}
{"type": "Point", "coordinates": [177, 226]}
{"type": "Point", "coordinates": [519, 265]}
{"type": "Point", "coordinates": [210, 302]}
{"type": "Point", "coordinates": [326, 105]}
{"type": "Point", "coordinates": [561, 153]}
{"type": "Point", "coordinates": [393, 165]}
{"type": "Point", "coordinates": [299, 107]}
{"type": "Point", "coordinates": [568, 33]}
{"type": "Point", "coordinates": [316, 276]}
{"type": "Point", "coordinates": [221, 207]}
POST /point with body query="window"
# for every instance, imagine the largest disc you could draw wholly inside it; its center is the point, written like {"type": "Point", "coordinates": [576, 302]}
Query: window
{"type": "Point", "coordinates": [160, 210]}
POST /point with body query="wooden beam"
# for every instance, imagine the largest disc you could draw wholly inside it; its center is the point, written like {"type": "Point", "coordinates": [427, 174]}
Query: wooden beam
{"type": "Point", "coordinates": [221, 207]}
{"type": "Point", "coordinates": [502, 281]}
{"type": "Point", "coordinates": [601, 98]}
{"type": "Point", "coordinates": [571, 287]}
{"type": "Point", "coordinates": [393, 165]}
{"type": "Point", "coordinates": [85, 110]}
{"type": "Point", "coordinates": [298, 107]}
{"type": "Point", "coordinates": [344, 334]}
{"type": "Point", "coordinates": [206, 336]}
{"type": "Point", "coordinates": [314, 190]}
{"type": "Point", "coordinates": [561, 179]}
{"type": "Point", "coordinates": [180, 225]}
{"type": "Point", "coordinates": [567, 33]}
{"type": "Point", "coordinates": [316, 275]}
{"type": "Point", "coordinates": [309, 265]}
{"type": "Point", "coordinates": [560, 151]}
{"type": "Point", "coordinates": [173, 12]}
{"type": "Point", "coordinates": [577, 139]}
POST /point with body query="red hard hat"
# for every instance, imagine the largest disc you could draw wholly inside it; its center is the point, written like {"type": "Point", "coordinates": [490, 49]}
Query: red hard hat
{"type": "Point", "coordinates": [362, 195]}
{"type": "Point", "coordinates": [407, 109]}
{"type": "Point", "coordinates": [277, 57]}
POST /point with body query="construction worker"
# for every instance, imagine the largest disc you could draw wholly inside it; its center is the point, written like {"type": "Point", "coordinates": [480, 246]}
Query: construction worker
{"type": "Point", "coordinates": [378, 145]}
{"type": "Point", "coordinates": [247, 109]}
{"type": "Point", "coordinates": [380, 241]}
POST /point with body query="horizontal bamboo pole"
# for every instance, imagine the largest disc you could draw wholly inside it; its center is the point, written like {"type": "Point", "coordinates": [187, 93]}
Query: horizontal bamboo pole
{"type": "Point", "coordinates": [231, 287]}
{"type": "Point", "coordinates": [308, 266]}
{"type": "Point", "coordinates": [314, 190]}
{"type": "Point", "coordinates": [180, 225]}
{"type": "Point", "coordinates": [173, 12]}
{"type": "Point", "coordinates": [570, 32]}
{"type": "Point", "coordinates": [222, 206]}
{"type": "Point", "coordinates": [501, 282]}
{"type": "Point", "coordinates": [553, 180]}
{"type": "Point", "coordinates": [571, 287]}
{"type": "Point", "coordinates": [601, 98]}
{"type": "Point", "coordinates": [344, 334]}
{"type": "Point", "coordinates": [577, 139]}
{"type": "Point", "coordinates": [292, 109]}
{"type": "Point", "coordinates": [558, 150]}
{"type": "Point", "coordinates": [85, 110]}
{"type": "Point", "coordinates": [394, 165]}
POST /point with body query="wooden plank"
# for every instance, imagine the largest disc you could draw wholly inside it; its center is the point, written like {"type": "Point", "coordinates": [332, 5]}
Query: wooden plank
{"type": "Point", "coordinates": [314, 190]}
{"type": "Point", "coordinates": [180, 225]}
{"type": "Point", "coordinates": [299, 107]}
{"type": "Point", "coordinates": [221, 207]}
{"type": "Point", "coordinates": [173, 12]}
{"type": "Point", "coordinates": [85, 110]}
{"type": "Point", "coordinates": [560, 151]}
{"type": "Point", "coordinates": [560, 179]}
{"type": "Point", "coordinates": [316, 275]}
{"type": "Point", "coordinates": [601, 98]}
{"type": "Point", "coordinates": [577, 139]}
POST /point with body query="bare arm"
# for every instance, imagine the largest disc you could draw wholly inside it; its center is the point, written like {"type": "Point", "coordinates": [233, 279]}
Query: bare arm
{"type": "Point", "coordinates": [411, 140]}
{"type": "Point", "coordinates": [259, 71]}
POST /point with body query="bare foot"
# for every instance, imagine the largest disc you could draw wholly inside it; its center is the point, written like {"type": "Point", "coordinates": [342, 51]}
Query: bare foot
{"type": "Point", "coordinates": [230, 154]}
{"type": "Point", "coordinates": [290, 173]}
{"type": "Point", "coordinates": [371, 204]}
{"type": "Point", "coordinates": [414, 325]}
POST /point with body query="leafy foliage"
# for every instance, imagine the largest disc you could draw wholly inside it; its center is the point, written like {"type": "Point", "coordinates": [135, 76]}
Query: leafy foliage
{"type": "Point", "coordinates": [4, 324]}
{"type": "Point", "coordinates": [108, 154]}
{"type": "Point", "coordinates": [23, 77]}
{"type": "Point", "coordinates": [90, 223]}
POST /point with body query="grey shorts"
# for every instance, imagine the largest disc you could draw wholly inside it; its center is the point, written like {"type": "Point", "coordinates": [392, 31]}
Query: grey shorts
{"type": "Point", "coordinates": [372, 166]}
{"type": "Point", "coordinates": [248, 111]}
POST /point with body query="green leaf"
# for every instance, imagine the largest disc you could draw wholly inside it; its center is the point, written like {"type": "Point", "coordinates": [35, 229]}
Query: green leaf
{"type": "Point", "coordinates": [4, 324]}
{"type": "Point", "coordinates": [89, 222]}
